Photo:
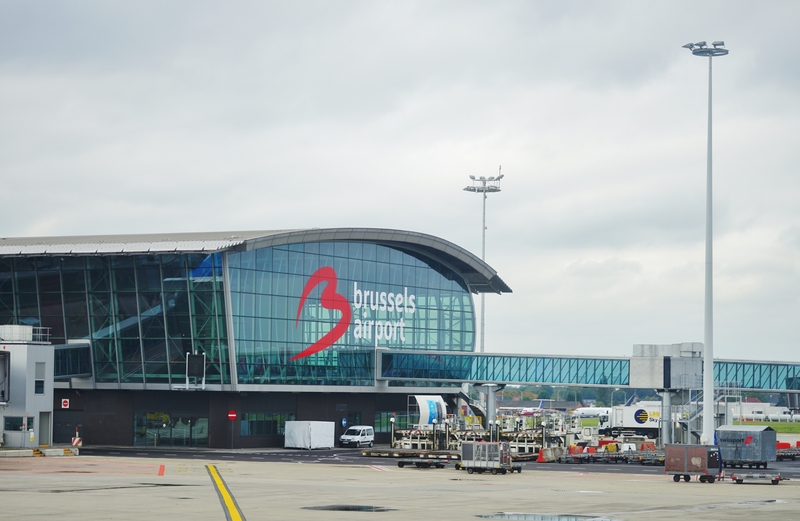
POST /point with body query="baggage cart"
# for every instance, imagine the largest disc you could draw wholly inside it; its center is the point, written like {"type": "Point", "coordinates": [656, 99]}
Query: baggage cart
{"type": "Point", "coordinates": [684, 461]}
{"type": "Point", "coordinates": [480, 457]}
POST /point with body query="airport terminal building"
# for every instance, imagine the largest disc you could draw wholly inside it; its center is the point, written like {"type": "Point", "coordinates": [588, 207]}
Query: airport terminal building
{"type": "Point", "coordinates": [158, 337]}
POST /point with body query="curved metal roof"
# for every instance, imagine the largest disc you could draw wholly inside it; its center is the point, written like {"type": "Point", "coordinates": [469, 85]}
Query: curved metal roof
{"type": "Point", "coordinates": [479, 276]}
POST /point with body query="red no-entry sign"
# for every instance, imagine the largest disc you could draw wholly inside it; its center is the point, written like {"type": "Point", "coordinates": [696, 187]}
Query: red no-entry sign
{"type": "Point", "coordinates": [65, 404]}
{"type": "Point", "coordinates": [231, 415]}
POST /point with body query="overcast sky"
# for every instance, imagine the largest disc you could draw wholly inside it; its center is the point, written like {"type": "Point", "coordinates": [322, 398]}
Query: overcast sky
{"type": "Point", "coordinates": [145, 117]}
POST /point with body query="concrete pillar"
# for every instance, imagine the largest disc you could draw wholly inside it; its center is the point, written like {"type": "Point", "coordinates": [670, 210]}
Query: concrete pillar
{"type": "Point", "coordinates": [666, 416]}
{"type": "Point", "coordinates": [491, 402]}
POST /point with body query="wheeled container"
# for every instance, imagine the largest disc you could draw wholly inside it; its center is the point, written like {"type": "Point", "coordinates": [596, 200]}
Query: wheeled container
{"type": "Point", "coordinates": [747, 446]}
{"type": "Point", "coordinates": [494, 457]}
{"type": "Point", "coordinates": [684, 461]}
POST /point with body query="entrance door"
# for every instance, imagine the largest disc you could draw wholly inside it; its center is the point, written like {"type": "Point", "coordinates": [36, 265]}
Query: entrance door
{"type": "Point", "coordinates": [44, 428]}
{"type": "Point", "coordinates": [66, 424]}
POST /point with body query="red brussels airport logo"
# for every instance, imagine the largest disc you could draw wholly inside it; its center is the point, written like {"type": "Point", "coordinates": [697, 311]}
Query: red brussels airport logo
{"type": "Point", "coordinates": [329, 300]}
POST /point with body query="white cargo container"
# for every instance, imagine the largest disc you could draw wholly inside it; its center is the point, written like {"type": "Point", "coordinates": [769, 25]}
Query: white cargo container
{"type": "Point", "coordinates": [309, 435]}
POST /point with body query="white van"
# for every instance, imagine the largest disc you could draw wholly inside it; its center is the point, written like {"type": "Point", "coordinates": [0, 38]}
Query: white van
{"type": "Point", "coordinates": [358, 436]}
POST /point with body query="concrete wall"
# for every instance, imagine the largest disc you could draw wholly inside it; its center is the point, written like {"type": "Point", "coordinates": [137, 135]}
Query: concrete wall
{"type": "Point", "coordinates": [23, 401]}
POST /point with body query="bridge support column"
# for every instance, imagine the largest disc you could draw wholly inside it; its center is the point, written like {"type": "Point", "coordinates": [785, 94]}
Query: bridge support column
{"type": "Point", "coordinates": [490, 390]}
{"type": "Point", "coordinates": [666, 416]}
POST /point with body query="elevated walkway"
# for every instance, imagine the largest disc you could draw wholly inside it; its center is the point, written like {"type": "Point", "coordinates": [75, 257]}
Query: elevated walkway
{"type": "Point", "coordinates": [396, 367]}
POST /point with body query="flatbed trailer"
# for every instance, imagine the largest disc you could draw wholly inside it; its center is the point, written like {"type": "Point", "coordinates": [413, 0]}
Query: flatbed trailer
{"type": "Point", "coordinates": [792, 454]}
{"type": "Point", "coordinates": [409, 453]}
{"type": "Point", "coordinates": [423, 463]}
{"type": "Point", "coordinates": [594, 457]}
{"type": "Point", "coordinates": [644, 457]}
{"type": "Point", "coordinates": [739, 477]}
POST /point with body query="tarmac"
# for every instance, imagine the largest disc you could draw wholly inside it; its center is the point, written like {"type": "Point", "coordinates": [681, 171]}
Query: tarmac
{"type": "Point", "coordinates": [88, 488]}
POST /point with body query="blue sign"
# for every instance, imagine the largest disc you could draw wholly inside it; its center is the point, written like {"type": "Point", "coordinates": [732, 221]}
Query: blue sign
{"type": "Point", "coordinates": [344, 422]}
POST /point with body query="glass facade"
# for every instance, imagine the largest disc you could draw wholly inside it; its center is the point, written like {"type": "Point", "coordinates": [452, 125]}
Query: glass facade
{"type": "Point", "coordinates": [265, 424]}
{"type": "Point", "coordinates": [154, 429]}
{"type": "Point", "coordinates": [284, 299]}
{"type": "Point", "coordinates": [754, 375]}
{"type": "Point", "coordinates": [142, 313]}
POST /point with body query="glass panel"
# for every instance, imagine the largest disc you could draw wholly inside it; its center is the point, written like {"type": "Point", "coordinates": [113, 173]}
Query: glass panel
{"type": "Point", "coordinates": [200, 432]}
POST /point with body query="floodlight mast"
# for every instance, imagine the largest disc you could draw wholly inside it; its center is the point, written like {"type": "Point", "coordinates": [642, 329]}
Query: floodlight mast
{"type": "Point", "coordinates": [707, 437]}
{"type": "Point", "coordinates": [484, 186]}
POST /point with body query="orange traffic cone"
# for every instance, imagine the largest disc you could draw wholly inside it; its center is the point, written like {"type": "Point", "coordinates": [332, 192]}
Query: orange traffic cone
{"type": "Point", "coordinates": [541, 459]}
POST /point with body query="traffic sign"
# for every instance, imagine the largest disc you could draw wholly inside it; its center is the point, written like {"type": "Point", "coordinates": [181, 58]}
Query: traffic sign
{"type": "Point", "coordinates": [65, 404]}
{"type": "Point", "coordinates": [231, 415]}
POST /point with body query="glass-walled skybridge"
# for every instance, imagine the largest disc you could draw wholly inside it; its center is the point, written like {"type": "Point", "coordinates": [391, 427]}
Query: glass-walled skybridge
{"type": "Point", "coordinates": [404, 367]}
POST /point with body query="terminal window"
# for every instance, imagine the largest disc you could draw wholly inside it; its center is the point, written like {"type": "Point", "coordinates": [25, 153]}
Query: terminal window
{"type": "Point", "coordinates": [38, 385]}
{"type": "Point", "coordinates": [265, 424]}
{"type": "Point", "coordinates": [14, 423]}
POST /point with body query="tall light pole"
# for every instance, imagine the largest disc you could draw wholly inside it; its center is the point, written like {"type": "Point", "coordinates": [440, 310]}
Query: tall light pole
{"type": "Point", "coordinates": [483, 185]}
{"type": "Point", "coordinates": [701, 49]}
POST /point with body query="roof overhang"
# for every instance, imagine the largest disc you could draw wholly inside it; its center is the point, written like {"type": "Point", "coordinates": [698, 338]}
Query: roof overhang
{"type": "Point", "coordinates": [479, 276]}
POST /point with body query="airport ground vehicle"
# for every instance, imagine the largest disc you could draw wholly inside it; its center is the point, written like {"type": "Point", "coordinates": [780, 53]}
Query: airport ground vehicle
{"type": "Point", "coordinates": [639, 419]}
{"type": "Point", "coordinates": [358, 436]}
{"type": "Point", "coordinates": [480, 457]}
{"type": "Point", "coordinates": [683, 461]}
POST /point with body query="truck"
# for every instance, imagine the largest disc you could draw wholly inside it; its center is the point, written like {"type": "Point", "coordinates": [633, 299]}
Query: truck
{"type": "Point", "coordinates": [683, 461]}
{"type": "Point", "coordinates": [480, 457]}
{"type": "Point", "coordinates": [639, 419]}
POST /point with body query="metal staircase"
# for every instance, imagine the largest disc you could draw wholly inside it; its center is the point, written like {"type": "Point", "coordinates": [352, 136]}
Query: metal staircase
{"type": "Point", "coordinates": [689, 415]}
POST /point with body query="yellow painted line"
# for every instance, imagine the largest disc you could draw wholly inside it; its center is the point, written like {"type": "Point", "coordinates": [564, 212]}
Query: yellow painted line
{"type": "Point", "coordinates": [232, 512]}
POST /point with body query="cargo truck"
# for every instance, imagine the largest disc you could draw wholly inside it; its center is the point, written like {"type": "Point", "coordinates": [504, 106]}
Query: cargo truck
{"type": "Point", "coordinates": [640, 419]}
